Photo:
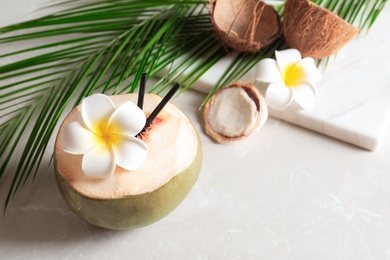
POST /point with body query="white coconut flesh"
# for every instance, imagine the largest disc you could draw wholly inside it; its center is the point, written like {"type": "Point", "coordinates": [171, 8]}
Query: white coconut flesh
{"type": "Point", "coordinates": [233, 113]}
{"type": "Point", "coordinates": [173, 146]}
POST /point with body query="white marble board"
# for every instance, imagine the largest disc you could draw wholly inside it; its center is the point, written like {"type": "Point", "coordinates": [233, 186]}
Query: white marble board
{"type": "Point", "coordinates": [353, 103]}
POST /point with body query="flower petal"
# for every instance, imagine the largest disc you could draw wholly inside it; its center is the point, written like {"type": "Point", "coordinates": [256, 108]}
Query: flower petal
{"type": "Point", "coordinates": [309, 70]}
{"type": "Point", "coordinates": [99, 162]}
{"type": "Point", "coordinates": [267, 71]}
{"type": "Point", "coordinates": [128, 119]}
{"type": "Point", "coordinates": [78, 140]}
{"type": "Point", "coordinates": [96, 111]}
{"type": "Point", "coordinates": [305, 95]}
{"type": "Point", "coordinates": [286, 58]}
{"type": "Point", "coordinates": [278, 96]}
{"type": "Point", "coordinates": [130, 152]}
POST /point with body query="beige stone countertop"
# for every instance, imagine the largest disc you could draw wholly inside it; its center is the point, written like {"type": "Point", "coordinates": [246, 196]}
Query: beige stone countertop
{"type": "Point", "coordinates": [283, 193]}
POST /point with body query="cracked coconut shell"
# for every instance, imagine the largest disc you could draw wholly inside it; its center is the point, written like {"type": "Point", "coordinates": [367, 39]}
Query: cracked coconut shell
{"type": "Point", "coordinates": [244, 25]}
{"type": "Point", "coordinates": [234, 112]}
{"type": "Point", "coordinates": [315, 31]}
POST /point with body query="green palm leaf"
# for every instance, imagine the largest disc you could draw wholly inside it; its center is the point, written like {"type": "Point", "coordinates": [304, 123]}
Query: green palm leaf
{"type": "Point", "coordinates": [85, 48]}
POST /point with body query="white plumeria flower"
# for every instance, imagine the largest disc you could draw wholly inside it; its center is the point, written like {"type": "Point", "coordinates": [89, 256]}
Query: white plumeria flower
{"type": "Point", "coordinates": [290, 78]}
{"type": "Point", "coordinates": [106, 136]}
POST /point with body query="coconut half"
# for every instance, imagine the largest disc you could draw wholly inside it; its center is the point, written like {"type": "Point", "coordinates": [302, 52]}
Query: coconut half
{"type": "Point", "coordinates": [130, 199]}
{"type": "Point", "coordinates": [235, 112]}
{"type": "Point", "coordinates": [315, 31]}
{"type": "Point", "coordinates": [244, 25]}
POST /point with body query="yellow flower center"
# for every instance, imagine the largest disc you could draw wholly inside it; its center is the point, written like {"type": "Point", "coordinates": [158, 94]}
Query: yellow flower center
{"type": "Point", "coordinates": [106, 135]}
{"type": "Point", "coordinates": [292, 74]}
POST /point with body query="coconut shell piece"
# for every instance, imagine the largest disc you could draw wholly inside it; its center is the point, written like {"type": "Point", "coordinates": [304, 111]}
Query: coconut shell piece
{"type": "Point", "coordinates": [315, 31]}
{"type": "Point", "coordinates": [235, 112]}
{"type": "Point", "coordinates": [244, 25]}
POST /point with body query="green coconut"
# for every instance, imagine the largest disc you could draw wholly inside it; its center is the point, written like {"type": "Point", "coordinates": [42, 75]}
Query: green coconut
{"type": "Point", "coordinates": [132, 199]}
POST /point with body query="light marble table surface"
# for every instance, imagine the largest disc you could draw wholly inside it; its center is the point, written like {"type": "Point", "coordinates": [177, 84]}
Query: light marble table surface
{"type": "Point", "coordinates": [283, 193]}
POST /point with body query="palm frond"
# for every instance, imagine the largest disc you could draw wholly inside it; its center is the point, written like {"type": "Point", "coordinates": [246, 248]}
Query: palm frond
{"type": "Point", "coordinates": [98, 45]}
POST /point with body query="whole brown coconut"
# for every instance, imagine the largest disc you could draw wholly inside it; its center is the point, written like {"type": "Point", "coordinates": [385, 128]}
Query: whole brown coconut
{"type": "Point", "coordinates": [315, 31]}
{"type": "Point", "coordinates": [244, 25]}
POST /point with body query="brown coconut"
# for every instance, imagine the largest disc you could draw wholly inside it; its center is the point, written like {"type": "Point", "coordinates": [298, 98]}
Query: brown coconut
{"type": "Point", "coordinates": [244, 25]}
{"type": "Point", "coordinates": [315, 31]}
{"type": "Point", "coordinates": [236, 115]}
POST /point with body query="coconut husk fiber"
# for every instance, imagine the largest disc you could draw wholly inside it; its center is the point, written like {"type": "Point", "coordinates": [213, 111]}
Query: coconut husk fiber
{"type": "Point", "coordinates": [315, 31]}
{"type": "Point", "coordinates": [244, 25]}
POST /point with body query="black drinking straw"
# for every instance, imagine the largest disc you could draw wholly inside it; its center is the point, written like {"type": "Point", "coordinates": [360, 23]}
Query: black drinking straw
{"type": "Point", "coordinates": [141, 92]}
{"type": "Point", "coordinates": [161, 105]}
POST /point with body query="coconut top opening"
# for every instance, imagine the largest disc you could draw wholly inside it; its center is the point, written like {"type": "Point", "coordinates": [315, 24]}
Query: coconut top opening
{"type": "Point", "coordinates": [235, 112]}
{"type": "Point", "coordinates": [172, 142]}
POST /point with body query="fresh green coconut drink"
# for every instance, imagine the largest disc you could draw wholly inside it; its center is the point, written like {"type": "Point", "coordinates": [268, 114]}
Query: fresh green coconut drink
{"type": "Point", "coordinates": [118, 171]}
